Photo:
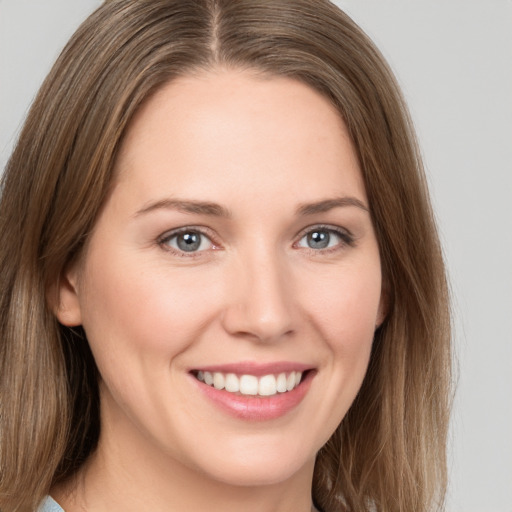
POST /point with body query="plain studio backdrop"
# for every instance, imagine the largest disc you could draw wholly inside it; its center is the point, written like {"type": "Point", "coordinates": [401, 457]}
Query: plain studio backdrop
{"type": "Point", "coordinates": [453, 59]}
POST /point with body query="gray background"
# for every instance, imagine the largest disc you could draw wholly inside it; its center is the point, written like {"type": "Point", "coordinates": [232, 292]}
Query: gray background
{"type": "Point", "coordinates": [453, 59]}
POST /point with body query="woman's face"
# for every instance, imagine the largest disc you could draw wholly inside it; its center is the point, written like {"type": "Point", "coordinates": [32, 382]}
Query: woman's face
{"type": "Point", "coordinates": [236, 246]}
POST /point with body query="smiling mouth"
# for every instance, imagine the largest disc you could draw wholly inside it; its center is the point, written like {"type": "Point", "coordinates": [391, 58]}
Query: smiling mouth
{"type": "Point", "coordinates": [252, 385]}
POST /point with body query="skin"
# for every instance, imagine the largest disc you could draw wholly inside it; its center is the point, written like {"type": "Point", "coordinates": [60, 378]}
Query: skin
{"type": "Point", "coordinates": [260, 148]}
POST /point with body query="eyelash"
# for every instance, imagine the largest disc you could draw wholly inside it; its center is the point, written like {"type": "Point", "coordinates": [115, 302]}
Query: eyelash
{"type": "Point", "coordinates": [346, 239]}
{"type": "Point", "coordinates": [164, 240]}
{"type": "Point", "coordinates": [345, 236]}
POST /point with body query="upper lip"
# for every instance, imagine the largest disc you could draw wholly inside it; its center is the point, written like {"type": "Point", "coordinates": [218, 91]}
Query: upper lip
{"type": "Point", "coordinates": [255, 368]}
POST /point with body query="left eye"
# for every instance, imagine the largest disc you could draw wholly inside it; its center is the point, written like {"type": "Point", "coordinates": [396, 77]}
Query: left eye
{"type": "Point", "coordinates": [321, 238]}
{"type": "Point", "coordinates": [188, 241]}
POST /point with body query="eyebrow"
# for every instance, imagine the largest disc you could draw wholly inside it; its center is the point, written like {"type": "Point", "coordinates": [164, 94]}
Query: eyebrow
{"type": "Point", "coordinates": [329, 204]}
{"type": "Point", "coordinates": [186, 206]}
{"type": "Point", "coordinates": [216, 210]}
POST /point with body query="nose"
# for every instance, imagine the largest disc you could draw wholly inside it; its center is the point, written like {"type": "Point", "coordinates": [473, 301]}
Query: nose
{"type": "Point", "coordinates": [260, 302]}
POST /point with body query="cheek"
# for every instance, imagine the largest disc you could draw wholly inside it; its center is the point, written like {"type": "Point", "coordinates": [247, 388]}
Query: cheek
{"type": "Point", "coordinates": [143, 313]}
{"type": "Point", "coordinates": [345, 311]}
{"type": "Point", "coordinates": [352, 338]}
{"type": "Point", "coordinates": [342, 308]}
{"type": "Point", "coordinates": [345, 305]}
{"type": "Point", "coordinates": [138, 323]}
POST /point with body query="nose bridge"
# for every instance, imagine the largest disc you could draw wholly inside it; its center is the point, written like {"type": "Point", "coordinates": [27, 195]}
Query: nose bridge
{"type": "Point", "coordinates": [260, 304]}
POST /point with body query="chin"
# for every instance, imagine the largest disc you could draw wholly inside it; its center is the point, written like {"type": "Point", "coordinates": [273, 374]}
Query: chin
{"type": "Point", "coordinates": [247, 473]}
{"type": "Point", "coordinates": [256, 462]}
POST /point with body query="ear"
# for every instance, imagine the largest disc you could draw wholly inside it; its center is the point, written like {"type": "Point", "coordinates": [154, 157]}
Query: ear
{"type": "Point", "coordinates": [64, 299]}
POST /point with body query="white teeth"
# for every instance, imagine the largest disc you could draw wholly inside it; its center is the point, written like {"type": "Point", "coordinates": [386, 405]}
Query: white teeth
{"type": "Point", "coordinates": [281, 382]}
{"type": "Point", "coordinates": [218, 380]}
{"type": "Point", "coordinates": [248, 385]}
{"type": "Point", "coordinates": [266, 385]}
{"type": "Point", "coordinates": [232, 383]}
{"type": "Point", "coordinates": [290, 381]}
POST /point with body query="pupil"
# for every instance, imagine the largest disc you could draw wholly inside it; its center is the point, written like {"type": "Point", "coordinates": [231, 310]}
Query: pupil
{"type": "Point", "coordinates": [318, 239]}
{"type": "Point", "coordinates": [189, 242]}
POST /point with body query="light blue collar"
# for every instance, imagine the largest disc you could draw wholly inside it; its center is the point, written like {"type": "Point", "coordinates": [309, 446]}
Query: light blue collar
{"type": "Point", "coordinates": [49, 505]}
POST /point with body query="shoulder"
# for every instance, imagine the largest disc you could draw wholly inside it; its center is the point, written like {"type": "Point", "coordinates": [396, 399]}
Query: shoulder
{"type": "Point", "coordinates": [49, 505]}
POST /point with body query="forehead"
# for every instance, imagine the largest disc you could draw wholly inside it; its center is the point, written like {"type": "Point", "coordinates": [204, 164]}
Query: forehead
{"type": "Point", "coordinates": [236, 127]}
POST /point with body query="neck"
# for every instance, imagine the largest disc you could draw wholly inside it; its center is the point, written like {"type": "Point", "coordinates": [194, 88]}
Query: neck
{"type": "Point", "coordinates": [97, 489]}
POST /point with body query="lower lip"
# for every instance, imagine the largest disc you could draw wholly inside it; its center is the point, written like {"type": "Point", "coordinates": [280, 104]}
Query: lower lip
{"type": "Point", "coordinates": [256, 408]}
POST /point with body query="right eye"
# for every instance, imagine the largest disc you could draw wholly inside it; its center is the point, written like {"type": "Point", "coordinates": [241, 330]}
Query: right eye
{"type": "Point", "coordinates": [187, 241]}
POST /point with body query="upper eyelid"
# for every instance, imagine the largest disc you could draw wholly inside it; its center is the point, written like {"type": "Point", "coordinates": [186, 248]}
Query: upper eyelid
{"type": "Point", "coordinates": [203, 230]}
{"type": "Point", "coordinates": [327, 227]}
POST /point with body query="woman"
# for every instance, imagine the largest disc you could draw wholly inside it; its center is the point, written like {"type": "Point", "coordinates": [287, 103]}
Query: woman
{"type": "Point", "coordinates": [222, 286]}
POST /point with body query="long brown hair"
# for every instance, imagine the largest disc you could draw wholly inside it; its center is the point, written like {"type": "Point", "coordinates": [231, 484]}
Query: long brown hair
{"type": "Point", "coordinates": [388, 454]}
